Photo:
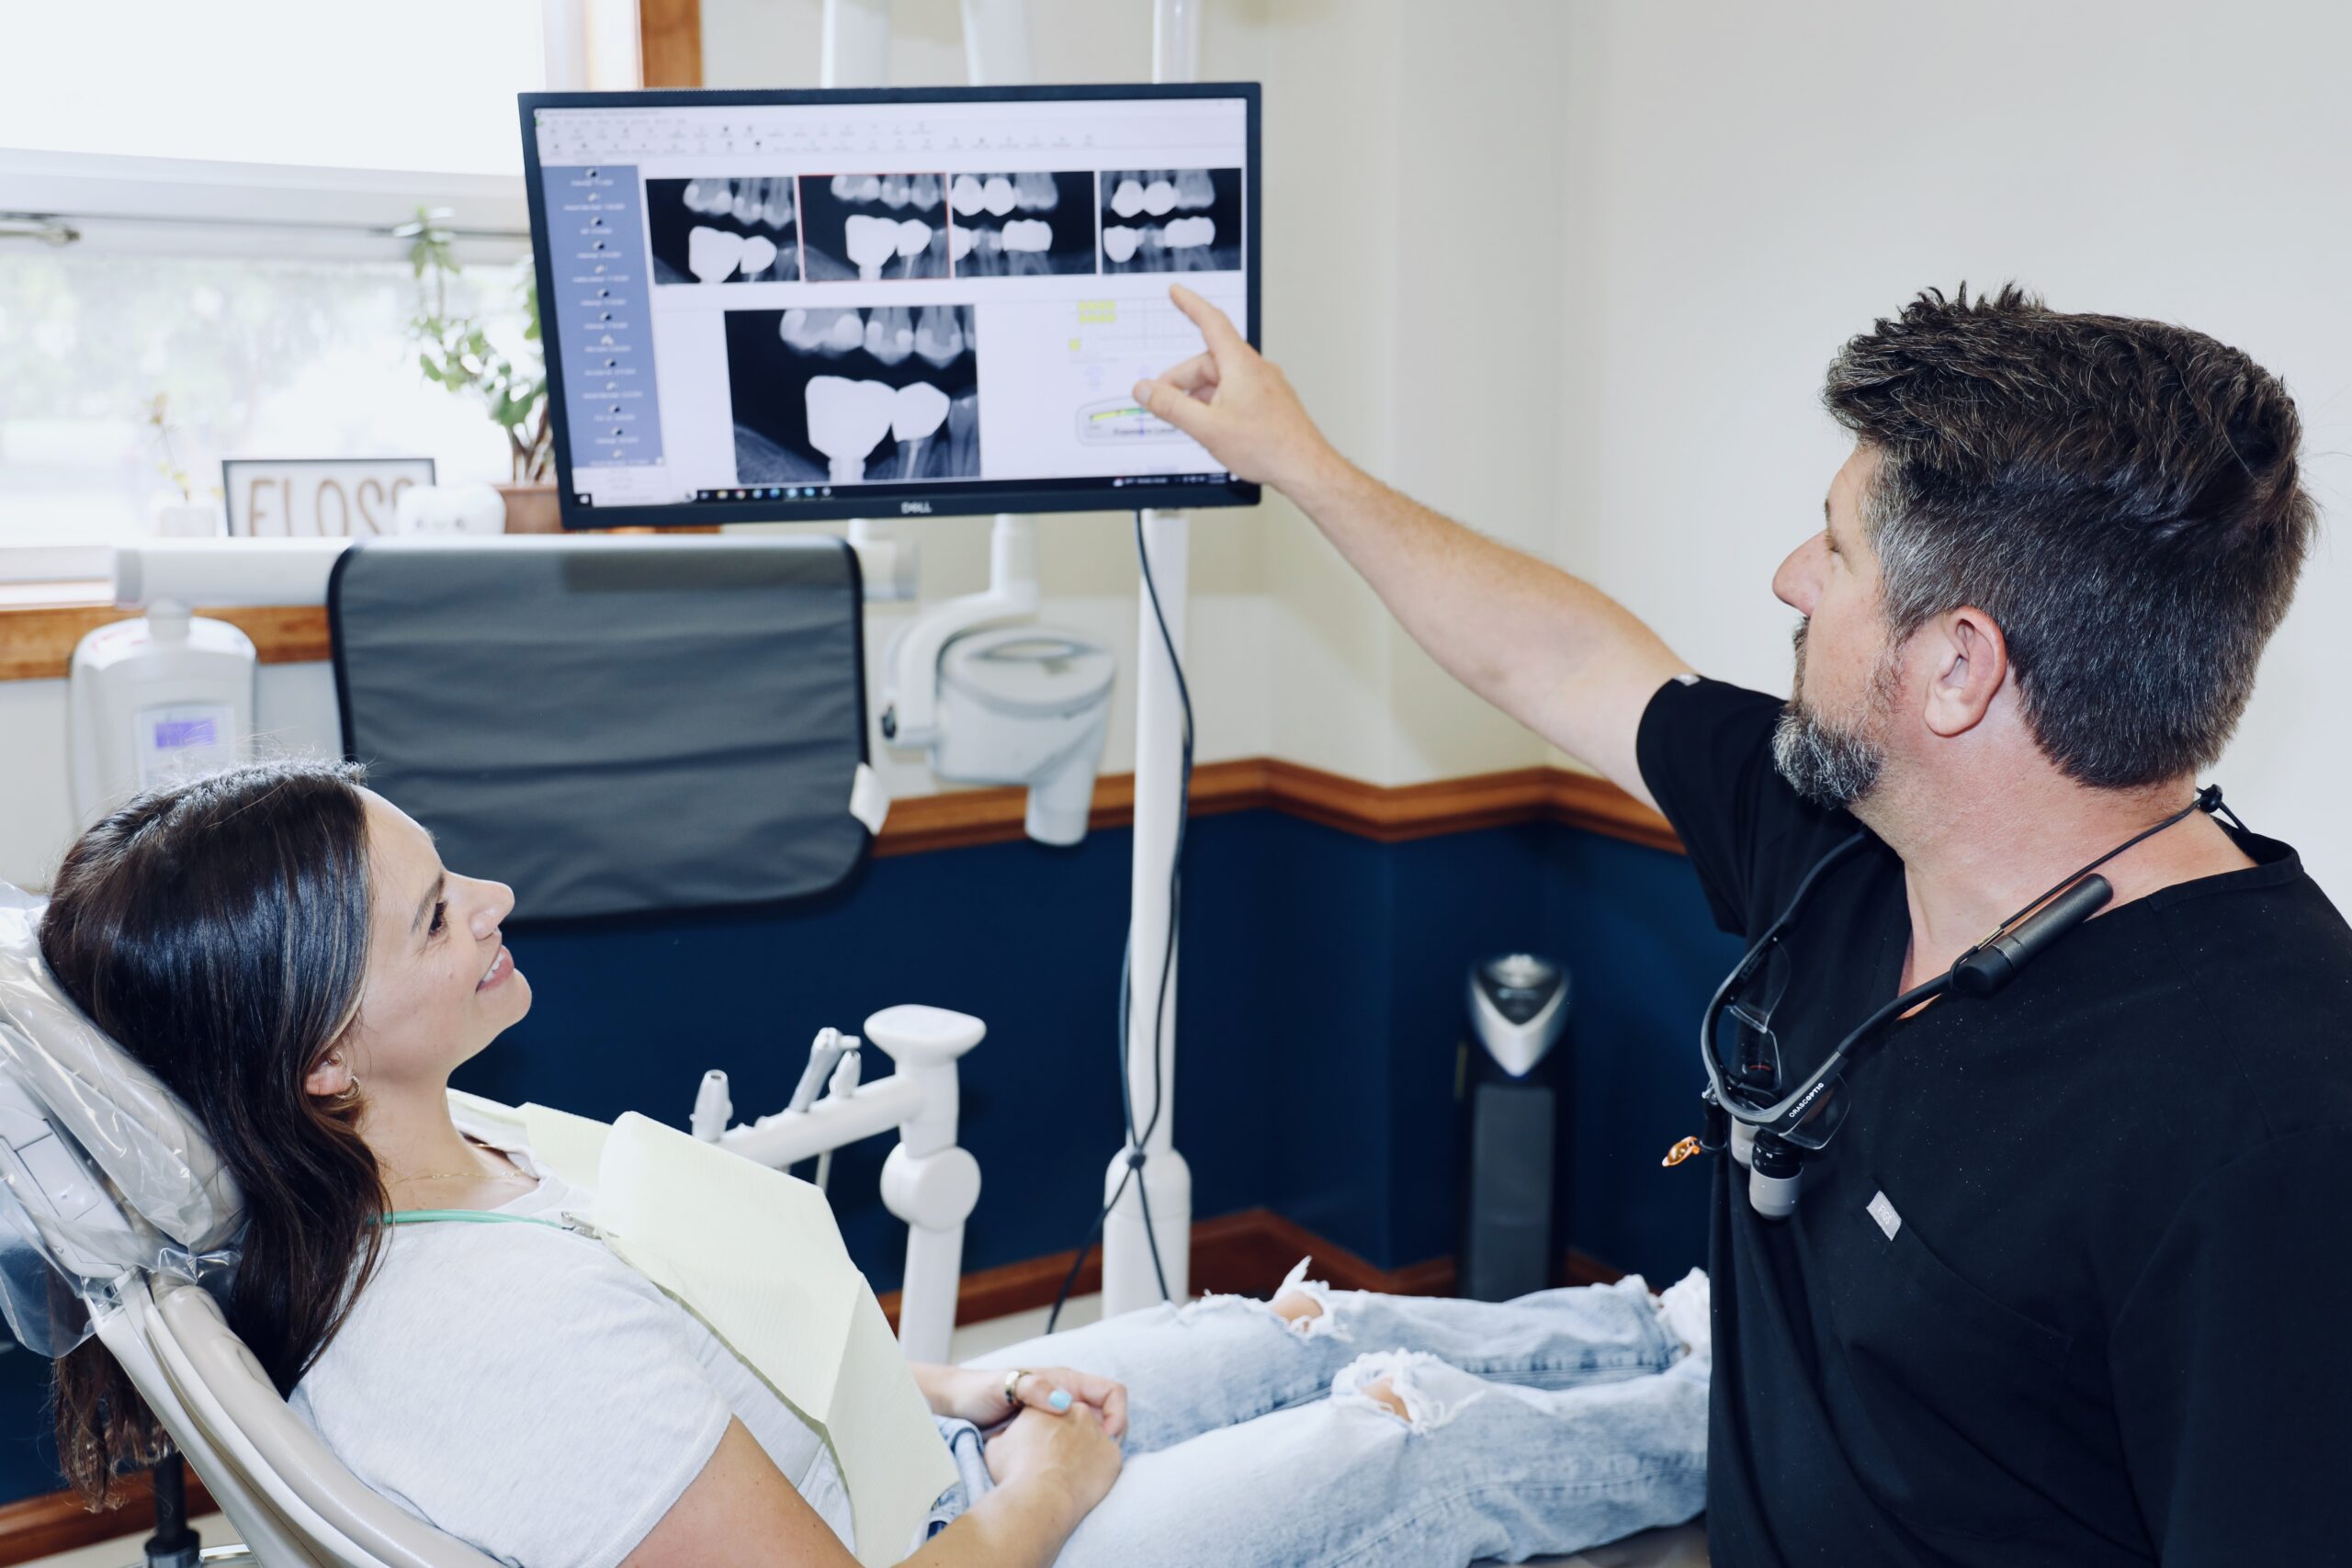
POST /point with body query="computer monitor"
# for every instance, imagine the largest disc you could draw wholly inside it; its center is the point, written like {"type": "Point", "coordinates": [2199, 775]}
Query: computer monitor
{"type": "Point", "coordinates": [785, 306]}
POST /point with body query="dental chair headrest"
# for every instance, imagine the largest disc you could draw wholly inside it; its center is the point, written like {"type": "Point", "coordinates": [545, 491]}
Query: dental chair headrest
{"type": "Point", "coordinates": [108, 1164]}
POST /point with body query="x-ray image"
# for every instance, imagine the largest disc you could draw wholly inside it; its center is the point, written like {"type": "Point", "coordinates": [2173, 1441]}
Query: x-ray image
{"type": "Point", "coordinates": [1172, 220]}
{"type": "Point", "coordinates": [1024, 225]}
{"type": "Point", "coordinates": [726, 229]}
{"type": "Point", "coordinates": [874, 228]}
{"type": "Point", "coordinates": [842, 397]}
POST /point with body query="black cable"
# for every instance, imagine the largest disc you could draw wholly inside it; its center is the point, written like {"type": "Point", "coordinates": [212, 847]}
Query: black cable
{"type": "Point", "coordinates": [1137, 1137]}
{"type": "Point", "coordinates": [1175, 909]}
{"type": "Point", "coordinates": [2209, 799]}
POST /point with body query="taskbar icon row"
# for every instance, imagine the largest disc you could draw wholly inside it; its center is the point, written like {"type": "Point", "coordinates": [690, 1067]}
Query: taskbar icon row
{"type": "Point", "coordinates": [767, 493]}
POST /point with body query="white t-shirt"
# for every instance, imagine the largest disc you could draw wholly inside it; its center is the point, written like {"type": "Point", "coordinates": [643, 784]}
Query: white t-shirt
{"type": "Point", "coordinates": [525, 1391]}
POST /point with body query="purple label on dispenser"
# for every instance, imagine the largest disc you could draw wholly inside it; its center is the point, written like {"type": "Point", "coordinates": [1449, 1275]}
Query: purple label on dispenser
{"type": "Point", "coordinates": [174, 733]}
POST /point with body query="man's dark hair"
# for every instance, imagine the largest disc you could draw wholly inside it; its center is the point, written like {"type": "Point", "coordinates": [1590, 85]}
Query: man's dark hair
{"type": "Point", "coordinates": [2120, 496]}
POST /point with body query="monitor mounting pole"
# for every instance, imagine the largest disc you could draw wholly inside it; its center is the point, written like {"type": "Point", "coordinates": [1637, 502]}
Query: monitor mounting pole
{"type": "Point", "coordinates": [1129, 1277]}
{"type": "Point", "coordinates": [996, 43]}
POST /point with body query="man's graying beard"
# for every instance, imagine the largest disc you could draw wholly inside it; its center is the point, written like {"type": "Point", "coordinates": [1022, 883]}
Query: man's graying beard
{"type": "Point", "coordinates": [1827, 764]}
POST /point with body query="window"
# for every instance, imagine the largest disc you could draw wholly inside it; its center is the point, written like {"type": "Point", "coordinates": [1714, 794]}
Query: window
{"type": "Point", "coordinates": [251, 358]}
{"type": "Point", "coordinates": [200, 203]}
{"type": "Point", "coordinates": [424, 84]}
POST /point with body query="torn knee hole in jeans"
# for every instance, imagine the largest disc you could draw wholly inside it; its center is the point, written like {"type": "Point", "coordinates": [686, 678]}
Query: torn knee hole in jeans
{"type": "Point", "coordinates": [1304, 1305]}
{"type": "Point", "coordinates": [1410, 1387]}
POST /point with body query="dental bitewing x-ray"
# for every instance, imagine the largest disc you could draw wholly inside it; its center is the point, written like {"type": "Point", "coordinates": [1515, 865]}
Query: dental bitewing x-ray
{"type": "Point", "coordinates": [777, 308]}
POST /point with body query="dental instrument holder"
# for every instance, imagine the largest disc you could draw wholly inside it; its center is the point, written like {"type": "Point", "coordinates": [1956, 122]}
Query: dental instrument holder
{"type": "Point", "coordinates": [847, 1069]}
{"type": "Point", "coordinates": [929, 1181]}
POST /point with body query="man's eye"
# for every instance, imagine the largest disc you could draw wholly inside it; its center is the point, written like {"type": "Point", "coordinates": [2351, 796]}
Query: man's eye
{"type": "Point", "coordinates": [440, 913]}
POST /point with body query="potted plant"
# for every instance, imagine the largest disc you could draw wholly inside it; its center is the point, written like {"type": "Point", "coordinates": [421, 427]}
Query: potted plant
{"type": "Point", "coordinates": [455, 351]}
{"type": "Point", "coordinates": [176, 512]}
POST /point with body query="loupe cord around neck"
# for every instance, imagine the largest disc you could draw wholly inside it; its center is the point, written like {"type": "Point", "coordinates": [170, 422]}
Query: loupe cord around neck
{"type": "Point", "coordinates": [2208, 799]}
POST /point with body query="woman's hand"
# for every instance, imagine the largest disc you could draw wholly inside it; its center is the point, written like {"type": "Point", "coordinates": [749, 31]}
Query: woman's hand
{"type": "Point", "coordinates": [1070, 1457]}
{"type": "Point", "coordinates": [976, 1394]}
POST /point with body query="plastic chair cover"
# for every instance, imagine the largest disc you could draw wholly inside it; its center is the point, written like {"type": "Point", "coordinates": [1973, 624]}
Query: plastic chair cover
{"type": "Point", "coordinates": [103, 1170]}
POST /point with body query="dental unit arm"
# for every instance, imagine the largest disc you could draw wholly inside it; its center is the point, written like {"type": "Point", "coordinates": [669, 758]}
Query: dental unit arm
{"type": "Point", "coordinates": [928, 1181]}
{"type": "Point", "coordinates": [1008, 705]}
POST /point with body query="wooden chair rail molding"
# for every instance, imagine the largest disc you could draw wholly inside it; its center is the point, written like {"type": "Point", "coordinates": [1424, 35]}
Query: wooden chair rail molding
{"type": "Point", "coordinates": [1389, 814]}
{"type": "Point", "coordinates": [1244, 1254]}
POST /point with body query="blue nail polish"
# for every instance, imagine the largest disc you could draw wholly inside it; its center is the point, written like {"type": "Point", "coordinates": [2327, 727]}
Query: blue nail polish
{"type": "Point", "coordinates": [1061, 1400]}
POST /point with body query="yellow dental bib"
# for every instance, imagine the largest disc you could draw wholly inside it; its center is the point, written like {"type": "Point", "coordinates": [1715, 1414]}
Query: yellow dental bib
{"type": "Point", "coordinates": [756, 1256]}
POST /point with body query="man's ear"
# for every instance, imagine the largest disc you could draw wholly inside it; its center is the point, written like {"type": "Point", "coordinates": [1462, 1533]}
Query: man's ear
{"type": "Point", "coordinates": [1970, 664]}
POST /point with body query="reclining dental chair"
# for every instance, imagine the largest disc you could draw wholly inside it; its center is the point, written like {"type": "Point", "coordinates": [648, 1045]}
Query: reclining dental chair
{"type": "Point", "coordinates": [115, 1216]}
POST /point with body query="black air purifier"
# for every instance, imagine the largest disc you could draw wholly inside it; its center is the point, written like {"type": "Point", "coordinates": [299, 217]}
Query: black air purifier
{"type": "Point", "coordinates": [1512, 1086]}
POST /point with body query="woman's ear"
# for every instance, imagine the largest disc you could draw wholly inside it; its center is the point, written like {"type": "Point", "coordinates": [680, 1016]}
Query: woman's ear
{"type": "Point", "coordinates": [332, 1077]}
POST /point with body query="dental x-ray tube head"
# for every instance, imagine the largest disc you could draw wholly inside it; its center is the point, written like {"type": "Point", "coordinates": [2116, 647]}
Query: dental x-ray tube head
{"type": "Point", "coordinates": [877, 302]}
{"type": "Point", "coordinates": [1027, 705]}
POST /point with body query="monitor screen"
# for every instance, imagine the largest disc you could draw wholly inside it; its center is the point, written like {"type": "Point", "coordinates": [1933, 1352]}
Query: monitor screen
{"type": "Point", "coordinates": [781, 306]}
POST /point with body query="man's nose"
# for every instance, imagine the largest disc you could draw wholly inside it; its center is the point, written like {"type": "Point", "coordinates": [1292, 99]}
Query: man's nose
{"type": "Point", "coordinates": [1796, 582]}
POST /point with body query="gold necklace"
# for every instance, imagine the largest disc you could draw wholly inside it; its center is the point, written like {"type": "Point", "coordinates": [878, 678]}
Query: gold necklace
{"type": "Point", "coordinates": [513, 1174]}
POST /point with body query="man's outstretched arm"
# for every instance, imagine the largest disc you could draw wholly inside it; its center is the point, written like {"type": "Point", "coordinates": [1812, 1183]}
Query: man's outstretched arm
{"type": "Point", "coordinates": [1550, 649]}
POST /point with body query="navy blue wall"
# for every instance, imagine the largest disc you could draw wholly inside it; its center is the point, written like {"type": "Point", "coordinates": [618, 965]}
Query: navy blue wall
{"type": "Point", "coordinates": [1320, 1005]}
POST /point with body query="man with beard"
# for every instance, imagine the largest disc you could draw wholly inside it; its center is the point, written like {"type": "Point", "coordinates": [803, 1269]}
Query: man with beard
{"type": "Point", "coordinates": [2070, 1285]}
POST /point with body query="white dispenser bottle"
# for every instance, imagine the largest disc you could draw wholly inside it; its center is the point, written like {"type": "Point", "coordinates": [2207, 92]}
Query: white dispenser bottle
{"type": "Point", "coordinates": [165, 696]}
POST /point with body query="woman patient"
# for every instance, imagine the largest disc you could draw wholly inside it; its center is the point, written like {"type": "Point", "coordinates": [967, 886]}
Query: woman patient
{"type": "Point", "coordinates": [285, 950]}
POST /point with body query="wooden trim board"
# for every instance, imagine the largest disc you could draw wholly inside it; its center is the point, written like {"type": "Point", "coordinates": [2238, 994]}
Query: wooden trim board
{"type": "Point", "coordinates": [37, 642]}
{"type": "Point", "coordinates": [1387, 814]}
{"type": "Point", "coordinates": [1244, 1254]}
{"type": "Point", "coordinates": [669, 42]}
{"type": "Point", "coordinates": [55, 1521]}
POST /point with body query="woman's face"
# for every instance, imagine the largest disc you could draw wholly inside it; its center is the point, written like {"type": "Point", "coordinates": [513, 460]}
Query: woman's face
{"type": "Point", "coordinates": [440, 984]}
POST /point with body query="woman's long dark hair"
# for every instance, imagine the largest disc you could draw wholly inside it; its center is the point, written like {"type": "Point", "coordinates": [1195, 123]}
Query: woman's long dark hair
{"type": "Point", "coordinates": [217, 931]}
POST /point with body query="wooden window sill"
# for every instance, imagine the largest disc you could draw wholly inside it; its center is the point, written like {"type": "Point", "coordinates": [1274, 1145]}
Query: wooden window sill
{"type": "Point", "coordinates": [42, 623]}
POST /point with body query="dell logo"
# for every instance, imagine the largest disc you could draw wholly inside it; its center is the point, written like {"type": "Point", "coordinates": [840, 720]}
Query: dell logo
{"type": "Point", "coordinates": [914, 509]}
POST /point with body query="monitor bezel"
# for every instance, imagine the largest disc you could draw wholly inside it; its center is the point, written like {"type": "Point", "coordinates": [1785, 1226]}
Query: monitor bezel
{"type": "Point", "coordinates": [1058, 495]}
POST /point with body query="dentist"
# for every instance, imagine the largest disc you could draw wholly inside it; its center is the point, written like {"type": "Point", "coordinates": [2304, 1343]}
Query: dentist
{"type": "Point", "coordinates": [2070, 1286]}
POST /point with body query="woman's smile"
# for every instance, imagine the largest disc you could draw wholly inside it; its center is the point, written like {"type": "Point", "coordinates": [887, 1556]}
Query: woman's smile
{"type": "Point", "coordinates": [501, 969]}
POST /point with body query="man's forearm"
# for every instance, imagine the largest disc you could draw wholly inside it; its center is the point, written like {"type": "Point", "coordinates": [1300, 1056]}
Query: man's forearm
{"type": "Point", "coordinates": [1550, 649]}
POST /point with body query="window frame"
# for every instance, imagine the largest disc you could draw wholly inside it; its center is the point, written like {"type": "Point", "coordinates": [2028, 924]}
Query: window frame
{"type": "Point", "coordinates": [113, 203]}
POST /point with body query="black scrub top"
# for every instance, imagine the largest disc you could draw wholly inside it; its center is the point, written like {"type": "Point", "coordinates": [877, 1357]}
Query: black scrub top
{"type": "Point", "coordinates": [2073, 1285]}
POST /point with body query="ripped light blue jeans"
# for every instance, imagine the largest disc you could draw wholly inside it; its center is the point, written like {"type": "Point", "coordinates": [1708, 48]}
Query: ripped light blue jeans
{"type": "Point", "coordinates": [1548, 1424]}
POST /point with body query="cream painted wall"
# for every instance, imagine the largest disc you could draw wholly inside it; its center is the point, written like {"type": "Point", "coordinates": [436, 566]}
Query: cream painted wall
{"type": "Point", "coordinates": [1393, 131]}
{"type": "Point", "coordinates": [294, 712]}
{"type": "Point", "coordinates": [1752, 185]}
{"type": "Point", "coordinates": [1572, 271]}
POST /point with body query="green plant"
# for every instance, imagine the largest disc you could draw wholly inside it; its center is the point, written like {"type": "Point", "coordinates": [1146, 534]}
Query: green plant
{"type": "Point", "coordinates": [159, 419]}
{"type": "Point", "coordinates": [456, 350]}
